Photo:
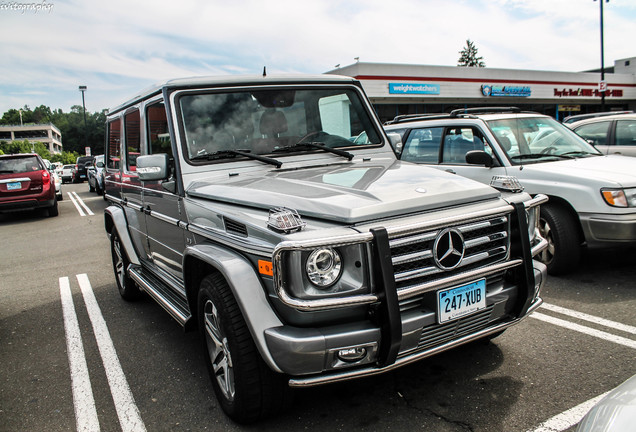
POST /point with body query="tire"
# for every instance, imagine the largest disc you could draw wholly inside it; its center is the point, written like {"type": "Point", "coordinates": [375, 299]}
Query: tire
{"type": "Point", "coordinates": [559, 228]}
{"type": "Point", "coordinates": [245, 387]}
{"type": "Point", "coordinates": [53, 210]}
{"type": "Point", "coordinates": [128, 290]}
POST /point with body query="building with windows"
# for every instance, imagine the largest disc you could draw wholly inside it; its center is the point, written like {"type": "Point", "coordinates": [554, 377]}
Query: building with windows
{"type": "Point", "coordinates": [399, 89]}
{"type": "Point", "coordinates": [47, 134]}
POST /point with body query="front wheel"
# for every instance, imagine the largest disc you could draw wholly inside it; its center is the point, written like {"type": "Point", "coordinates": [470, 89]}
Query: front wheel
{"type": "Point", "coordinates": [559, 228]}
{"type": "Point", "coordinates": [245, 387]}
{"type": "Point", "coordinates": [128, 290]}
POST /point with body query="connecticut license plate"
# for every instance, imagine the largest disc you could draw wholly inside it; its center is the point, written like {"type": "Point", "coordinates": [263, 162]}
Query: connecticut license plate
{"type": "Point", "coordinates": [14, 186]}
{"type": "Point", "coordinates": [460, 301]}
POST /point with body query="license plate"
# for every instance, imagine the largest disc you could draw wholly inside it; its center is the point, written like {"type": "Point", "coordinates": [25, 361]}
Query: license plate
{"type": "Point", "coordinates": [14, 186]}
{"type": "Point", "coordinates": [460, 301]}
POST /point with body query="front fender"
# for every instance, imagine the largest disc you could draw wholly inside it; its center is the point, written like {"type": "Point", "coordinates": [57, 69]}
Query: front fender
{"type": "Point", "coordinates": [115, 217]}
{"type": "Point", "coordinates": [246, 287]}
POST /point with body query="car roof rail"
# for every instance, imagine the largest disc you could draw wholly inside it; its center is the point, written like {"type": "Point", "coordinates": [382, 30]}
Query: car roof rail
{"type": "Point", "coordinates": [577, 117]}
{"type": "Point", "coordinates": [484, 110]}
{"type": "Point", "coordinates": [404, 118]}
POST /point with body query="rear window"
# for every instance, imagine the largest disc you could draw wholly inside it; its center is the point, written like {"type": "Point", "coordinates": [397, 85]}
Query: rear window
{"type": "Point", "coordinates": [19, 165]}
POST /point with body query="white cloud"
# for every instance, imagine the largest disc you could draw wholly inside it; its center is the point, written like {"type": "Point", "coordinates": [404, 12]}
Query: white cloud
{"type": "Point", "coordinates": [118, 47]}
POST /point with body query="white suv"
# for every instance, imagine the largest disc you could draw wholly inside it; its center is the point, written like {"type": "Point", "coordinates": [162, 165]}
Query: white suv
{"type": "Point", "coordinates": [592, 196]}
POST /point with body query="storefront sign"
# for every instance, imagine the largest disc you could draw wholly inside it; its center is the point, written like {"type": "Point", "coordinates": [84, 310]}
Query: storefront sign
{"type": "Point", "coordinates": [505, 91]}
{"type": "Point", "coordinates": [569, 108]}
{"type": "Point", "coordinates": [580, 92]}
{"type": "Point", "coordinates": [403, 88]}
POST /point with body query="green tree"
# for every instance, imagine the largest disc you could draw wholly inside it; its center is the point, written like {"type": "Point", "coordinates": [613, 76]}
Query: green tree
{"type": "Point", "coordinates": [468, 56]}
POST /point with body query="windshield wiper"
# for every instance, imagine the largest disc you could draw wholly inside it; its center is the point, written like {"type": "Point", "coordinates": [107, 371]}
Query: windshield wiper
{"type": "Point", "coordinates": [580, 153]}
{"type": "Point", "coordinates": [232, 153]}
{"type": "Point", "coordinates": [540, 155]}
{"type": "Point", "coordinates": [313, 145]}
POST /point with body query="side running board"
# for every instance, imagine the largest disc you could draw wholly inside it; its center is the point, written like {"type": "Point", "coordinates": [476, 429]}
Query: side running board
{"type": "Point", "coordinates": [174, 304]}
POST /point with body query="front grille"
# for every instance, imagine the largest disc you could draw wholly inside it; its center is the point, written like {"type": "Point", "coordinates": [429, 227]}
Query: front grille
{"type": "Point", "coordinates": [486, 242]}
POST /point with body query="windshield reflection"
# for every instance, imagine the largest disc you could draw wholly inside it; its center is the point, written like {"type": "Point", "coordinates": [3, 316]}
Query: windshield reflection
{"type": "Point", "coordinates": [538, 139]}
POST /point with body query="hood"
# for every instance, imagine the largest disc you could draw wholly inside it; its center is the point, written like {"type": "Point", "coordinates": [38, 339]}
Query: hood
{"type": "Point", "coordinates": [347, 193]}
{"type": "Point", "coordinates": [610, 171]}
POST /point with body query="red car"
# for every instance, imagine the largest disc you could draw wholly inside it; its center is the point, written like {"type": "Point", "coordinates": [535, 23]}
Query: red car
{"type": "Point", "coordinates": [25, 184]}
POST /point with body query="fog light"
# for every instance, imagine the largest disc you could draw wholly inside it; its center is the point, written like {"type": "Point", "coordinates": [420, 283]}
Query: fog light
{"type": "Point", "coordinates": [352, 354]}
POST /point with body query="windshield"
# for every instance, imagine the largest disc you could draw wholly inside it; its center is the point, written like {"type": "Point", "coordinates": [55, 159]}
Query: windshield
{"type": "Point", "coordinates": [538, 139]}
{"type": "Point", "coordinates": [265, 122]}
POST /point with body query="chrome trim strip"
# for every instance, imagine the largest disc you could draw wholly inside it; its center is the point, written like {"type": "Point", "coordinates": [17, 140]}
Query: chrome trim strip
{"type": "Point", "coordinates": [167, 219]}
{"type": "Point", "coordinates": [239, 243]}
{"type": "Point", "coordinates": [134, 206]}
{"type": "Point", "coordinates": [346, 375]}
{"type": "Point", "coordinates": [11, 180]}
{"type": "Point", "coordinates": [456, 279]}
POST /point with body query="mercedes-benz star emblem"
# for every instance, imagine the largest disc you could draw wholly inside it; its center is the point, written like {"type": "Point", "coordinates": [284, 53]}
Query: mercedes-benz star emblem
{"type": "Point", "coordinates": [448, 250]}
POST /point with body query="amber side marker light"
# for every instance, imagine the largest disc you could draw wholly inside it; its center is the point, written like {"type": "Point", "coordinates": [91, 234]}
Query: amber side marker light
{"type": "Point", "coordinates": [265, 268]}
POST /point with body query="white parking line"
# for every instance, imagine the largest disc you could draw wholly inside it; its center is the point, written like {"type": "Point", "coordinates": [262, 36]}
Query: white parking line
{"type": "Point", "coordinates": [569, 418]}
{"type": "Point", "coordinates": [78, 203]}
{"type": "Point", "coordinates": [586, 330]}
{"type": "Point", "coordinates": [591, 318]}
{"type": "Point", "coordinates": [83, 401]}
{"type": "Point", "coordinates": [127, 411]}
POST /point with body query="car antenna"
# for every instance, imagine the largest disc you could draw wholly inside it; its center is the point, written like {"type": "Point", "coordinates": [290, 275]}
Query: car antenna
{"type": "Point", "coordinates": [264, 71]}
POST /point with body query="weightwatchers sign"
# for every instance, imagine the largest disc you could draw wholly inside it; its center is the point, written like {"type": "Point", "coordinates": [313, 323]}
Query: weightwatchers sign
{"type": "Point", "coordinates": [403, 88]}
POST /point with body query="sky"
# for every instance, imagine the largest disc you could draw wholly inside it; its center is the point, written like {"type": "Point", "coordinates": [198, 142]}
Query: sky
{"type": "Point", "coordinates": [119, 47]}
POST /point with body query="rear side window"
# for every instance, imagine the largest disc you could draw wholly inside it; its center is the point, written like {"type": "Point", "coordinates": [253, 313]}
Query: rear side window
{"type": "Point", "coordinates": [594, 132]}
{"type": "Point", "coordinates": [422, 145]}
{"type": "Point", "coordinates": [114, 140]}
{"type": "Point", "coordinates": [626, 132]}
{"type": "Point", "coordinates": [133, 139]}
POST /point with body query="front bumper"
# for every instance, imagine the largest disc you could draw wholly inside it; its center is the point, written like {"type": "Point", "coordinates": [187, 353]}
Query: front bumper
{"type": "Point", "coordinates": [310, 355]}
{"type": "Point", "coordinates": [605, 228]}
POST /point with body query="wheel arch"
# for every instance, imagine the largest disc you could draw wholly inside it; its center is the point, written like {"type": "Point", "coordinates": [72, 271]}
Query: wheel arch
{"type": "Point", "coordinates": [114, 217]}
{"type": "Point", "coordinates": [245, 284]}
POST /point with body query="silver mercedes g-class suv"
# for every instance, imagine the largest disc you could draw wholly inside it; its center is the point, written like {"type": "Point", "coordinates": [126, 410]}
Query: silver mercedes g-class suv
{"type": "Point", "coordinates": [271, 213]}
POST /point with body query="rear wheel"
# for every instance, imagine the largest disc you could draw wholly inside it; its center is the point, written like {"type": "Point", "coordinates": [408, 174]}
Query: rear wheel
{"type": "Point", "coordinates": [559, 228]}
{"type": "Point", "coordinates": [245, 387]}
{"type": "Point", "coordinates": [53, 210]}
{"type": "Point", "coordinates": [126, 286]}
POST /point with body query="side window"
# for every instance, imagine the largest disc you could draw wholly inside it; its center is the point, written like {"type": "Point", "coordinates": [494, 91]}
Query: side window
{"type": "Point", "coordinates": [458, 141]}
{"type": "Point", "coordinates": [422, 145]}
{"type": "Point", "coordinates": [157, 129]}
{"type": "Point", "coordinates": [113, 148]}
{"type": "Point", "coordinates": [626, 132]}
{"type": "Point", "coordinates": [133, 139]}
{"type": "Point", "coordinates": [595, 132]}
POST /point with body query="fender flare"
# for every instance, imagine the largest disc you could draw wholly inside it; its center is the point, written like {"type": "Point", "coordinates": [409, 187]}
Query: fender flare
{"type": "Point", "coordinates": [114, 216]}
{"type": "Point", "coordinates": [246, 287]}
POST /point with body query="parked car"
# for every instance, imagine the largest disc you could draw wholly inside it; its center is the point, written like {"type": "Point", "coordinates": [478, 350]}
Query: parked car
{"type": "Point", "coordinates": [578, 117]}
{"type": "Point", "coordinates": [611, 134]}
{"type": "Point", "coordinates": [615, 412]}
{"type": "Point", "coordinates": [25, 184]}
{"type": "Point", "coordinates": [55, 178]}
{"type": "Point", "coordinates": [303, 257]}
{"type": "Point", "coordinates": [592, 197]}
{"type": "Point", "coordinates": [68, 174]}
{"type": "Point", "coordinates": [95, 175]}
{"type": "Point", "coordinates": [81, 168]}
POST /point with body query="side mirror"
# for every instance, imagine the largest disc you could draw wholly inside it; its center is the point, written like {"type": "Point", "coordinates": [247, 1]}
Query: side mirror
{"type": "Point", "coordinates": [153, 167]}
{"type": "Point", "coordinates": [479, 157]}
{"type": "Point", "coordinates": [396, 142]}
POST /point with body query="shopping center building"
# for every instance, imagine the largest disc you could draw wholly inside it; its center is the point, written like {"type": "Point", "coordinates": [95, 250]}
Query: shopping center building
{"type": "Point", "coordinates": [398, 89]}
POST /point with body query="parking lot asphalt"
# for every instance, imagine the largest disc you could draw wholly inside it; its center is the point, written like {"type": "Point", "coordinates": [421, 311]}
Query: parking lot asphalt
{"type": "Point", "coordinates": [140, 371]}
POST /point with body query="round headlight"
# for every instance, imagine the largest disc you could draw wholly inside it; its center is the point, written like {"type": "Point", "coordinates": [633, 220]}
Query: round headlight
{"type": "Point", "coordinates": [323, 267]}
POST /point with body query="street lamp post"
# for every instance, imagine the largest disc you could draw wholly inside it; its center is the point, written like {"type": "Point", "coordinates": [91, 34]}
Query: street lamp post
{"type": "Point", "coordinates": [83, 89]}
{"type": "Point", "coordinates": [604, 86]}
